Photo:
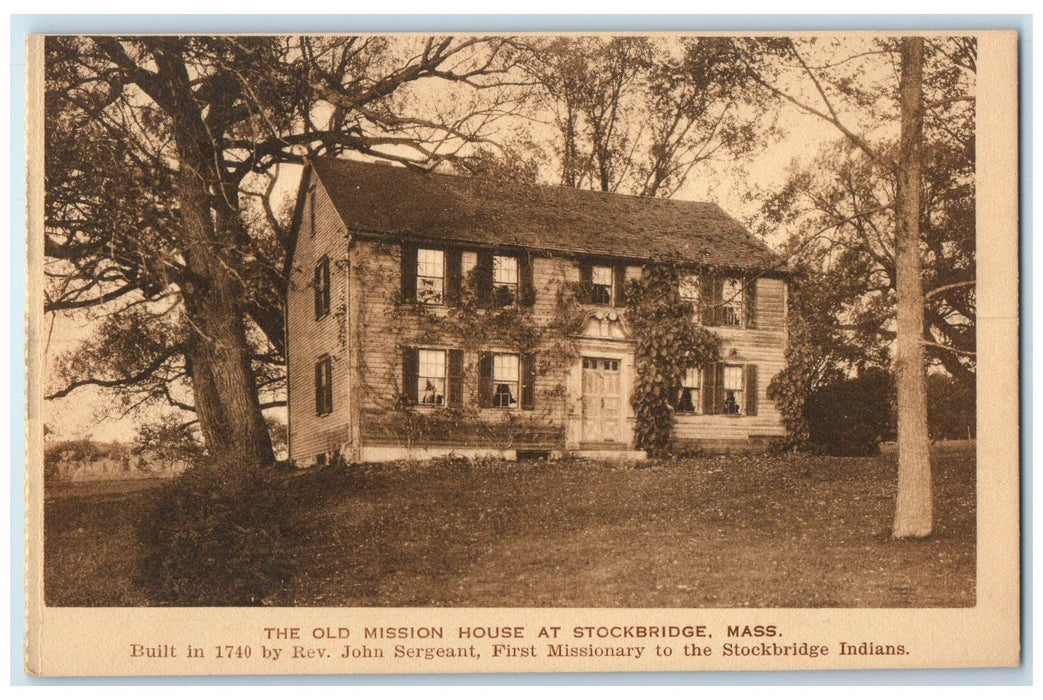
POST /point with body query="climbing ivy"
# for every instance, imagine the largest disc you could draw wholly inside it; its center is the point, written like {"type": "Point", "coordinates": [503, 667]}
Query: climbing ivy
{"type": "Point", "coordinates": [667, 342]}
{"type": "Point", "coordinates": [476, 325]}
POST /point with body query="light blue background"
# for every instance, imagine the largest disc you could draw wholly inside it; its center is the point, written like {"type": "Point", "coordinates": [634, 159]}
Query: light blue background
{"type": "Point", "coordinates": [23, 25]}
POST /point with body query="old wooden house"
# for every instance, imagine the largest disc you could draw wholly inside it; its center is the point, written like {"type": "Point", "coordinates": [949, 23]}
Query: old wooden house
{"type": "Point", "coordinates": [432, 314]}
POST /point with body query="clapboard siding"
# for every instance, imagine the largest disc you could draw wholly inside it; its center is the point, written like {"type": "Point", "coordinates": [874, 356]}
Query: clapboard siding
{"type": "Point", "coordinates": [309, 339]}
{"type": "Point", "coordinates": [385, 325]}
{"type": "Point", "coordinates": [764, 346]}
{"type": "Point", "coordinates": [378, 323]}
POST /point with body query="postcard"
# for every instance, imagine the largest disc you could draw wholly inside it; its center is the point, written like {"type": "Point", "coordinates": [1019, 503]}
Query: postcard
{"type": "Point", "coordinates": [409, 353]}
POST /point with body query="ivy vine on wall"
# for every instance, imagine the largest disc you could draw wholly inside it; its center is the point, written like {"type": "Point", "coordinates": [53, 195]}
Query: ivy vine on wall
{"type": "Point", "coordinates": [667, 342]}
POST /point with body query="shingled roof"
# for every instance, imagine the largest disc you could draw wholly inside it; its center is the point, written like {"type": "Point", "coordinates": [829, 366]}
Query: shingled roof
{"type": "Point", "coordinates": [402, 203]}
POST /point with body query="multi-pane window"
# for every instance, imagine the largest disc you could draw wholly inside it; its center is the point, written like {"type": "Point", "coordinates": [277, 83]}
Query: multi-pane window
{"type": "Point", "coordinates": [600, 363]}
{"type": "Point", "coordinates": [324, 385]}
{"type": "Point", "coordinates": [505, 381]}
{"type": "Point", "coordinates": [691, 398]}
{"type": "Point", "coordinates": [688, 288]}
{"type": "Point", "coordinates": [431, 377]}
{"type": "Point", "coordinates": [322, 287]}
{"type": "Point", "coordinates": [601, 280]}
{"type": "Point", "coordinates": [505, 280]}
{"type": "Point", "coordinates": [731, 302]}
{"type": "Point", "coordinates": [430, 276]}
{"type": "Point", "coordinates": [733, 390]}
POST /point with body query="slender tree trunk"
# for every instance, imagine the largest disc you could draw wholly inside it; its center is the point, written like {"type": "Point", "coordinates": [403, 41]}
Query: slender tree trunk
{"type": "Point", "coordinates": [913, 509]}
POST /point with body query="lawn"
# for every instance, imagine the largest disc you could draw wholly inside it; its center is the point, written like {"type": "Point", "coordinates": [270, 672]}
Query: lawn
{"type": "Point", "coordinates": [756, 531]}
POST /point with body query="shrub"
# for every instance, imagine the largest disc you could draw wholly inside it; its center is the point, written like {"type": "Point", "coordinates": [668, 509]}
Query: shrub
{"type": "Point", "coordinates": [850, 416]}
{"type": "Point", "coordinates": [217, 536]}
{"type": "Point", "coordinates": [951, 407]}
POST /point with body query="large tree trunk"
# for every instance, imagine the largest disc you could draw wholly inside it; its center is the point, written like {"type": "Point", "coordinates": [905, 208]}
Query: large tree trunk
{"type": "Point", "coordinates": [226, 399]}
{"type": "Point", "coordinates": [227, 404]}
{"type": "Point", "coordinates": [913, 509]}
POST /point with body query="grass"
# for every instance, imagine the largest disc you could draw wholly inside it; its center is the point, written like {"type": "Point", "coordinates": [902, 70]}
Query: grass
{"type": "Point", "coordinates": [757, 531]}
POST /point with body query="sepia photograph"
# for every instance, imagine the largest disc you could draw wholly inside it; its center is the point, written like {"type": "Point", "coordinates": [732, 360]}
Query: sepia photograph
{"type": "Point", "coordinates": [511, 321]}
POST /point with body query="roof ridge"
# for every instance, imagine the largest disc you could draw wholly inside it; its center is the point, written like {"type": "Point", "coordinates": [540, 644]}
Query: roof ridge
{"type": "Point", "coordinates": [542, 185]}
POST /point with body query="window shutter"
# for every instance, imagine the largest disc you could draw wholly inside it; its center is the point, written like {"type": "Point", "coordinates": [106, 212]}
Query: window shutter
{"type": "Point", "coordinates": [483, 277]}
{"type": "Point", "coordinates": [709, 389]}
{"type": "Point", "coordinates": [318, 388]}
{"type": "Point", "coordinates": [453, 276]}
{"type": "Point", "coordinates": [485, 380]}
{"type": "Point", "coordinates": [327, 376]}
{"type": "Point", "coordinates": [325, 285]}
{"type": "Point", "coordinates": [409, 375]}
{"type": "Point", "coordinates": [751, 302]}
{"type": "Point", "coordinates": [718, 399]}
{"type": "Point", "coordinates": [619, 273]}
{"type": "Point", "coordinates": [526, 289]}
{"type": "Point", "coordinates": [317, 285]}
{"type": "Point", "coordinates": [528, 381]}
{"type": "Point", "coordinates": [586, 280]}
{"type": "Point", "coordinates": [707, 305]}
{"type": "Point", "coordinates": [456, 378]}
{"type": "Point", "coordinates": [751, 390]}
{"type": "Point", "coordinates": [408, 272]}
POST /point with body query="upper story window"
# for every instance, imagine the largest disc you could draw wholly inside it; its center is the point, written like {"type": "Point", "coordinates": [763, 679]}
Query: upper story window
{"type": "Point", "coordinates": [430, 276]}
{"type": "Point", "coordinates": [505, 280]}
{"type": "Point", "coordinates": [732, 302]}
{"type": "Point", "coordinates": [688, 288]}
{"type": "Point", "coordinates": [321, 283]}
{"type": "Point", "coordinates": [505, 381]}
{"type": "Point", "coordinates": [450, 276]}
{"type": "Point", "coordinates": [691, 398]}
{"type": "Point", "coordinates": [602, 280]}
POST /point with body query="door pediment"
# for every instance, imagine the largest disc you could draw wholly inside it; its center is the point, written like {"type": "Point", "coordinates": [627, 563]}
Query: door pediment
{"type": "Point", "coordinates": [606, 325]}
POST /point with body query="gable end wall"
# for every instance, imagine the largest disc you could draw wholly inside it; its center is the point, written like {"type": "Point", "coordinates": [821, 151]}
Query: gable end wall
{"type": "Point", "coordinates": [308, 339]}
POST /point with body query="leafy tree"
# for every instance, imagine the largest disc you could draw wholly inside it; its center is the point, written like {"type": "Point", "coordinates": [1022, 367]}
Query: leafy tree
{"type": "Point", "coordinates": [882, 210]}
{"type": "Point", "coordinates": [636, 115]}
{"type": "Point", "coordinates": [163, 155]}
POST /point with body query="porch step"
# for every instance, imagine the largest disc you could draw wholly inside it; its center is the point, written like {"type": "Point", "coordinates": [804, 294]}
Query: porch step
{"type": "Point", "coordinates": [621, 455]}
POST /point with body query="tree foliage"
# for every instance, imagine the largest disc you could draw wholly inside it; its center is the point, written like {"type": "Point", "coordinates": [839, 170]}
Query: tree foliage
{"type": "Point", "coordinates": [163, 156]}
{"type": "Point", "coordinates": [636, 114]}
{"type": "Point", "coordinates": [841, 212]}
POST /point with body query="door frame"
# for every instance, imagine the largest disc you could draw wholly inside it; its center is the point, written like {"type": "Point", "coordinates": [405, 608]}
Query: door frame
{"type": "Point", "coordinates": [609, 350]}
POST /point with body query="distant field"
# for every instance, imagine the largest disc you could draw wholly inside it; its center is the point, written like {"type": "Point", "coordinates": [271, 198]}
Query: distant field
{"type": "Point", "coordinates": [758, 531]}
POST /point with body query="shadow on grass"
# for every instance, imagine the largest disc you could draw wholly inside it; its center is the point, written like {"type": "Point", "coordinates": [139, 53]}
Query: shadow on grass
{"type": "Point", "coordinates": [738, 531]}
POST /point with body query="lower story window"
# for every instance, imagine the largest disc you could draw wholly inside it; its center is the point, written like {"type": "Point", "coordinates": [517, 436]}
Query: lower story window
{"type": "Point", "coordinates": [505, 381]}
{"type": "Point", "coordinates": [431, 377]}
{"type": "Point", "coordinates": [733, 389]}
{"type": "Point", "coordinates": [690, 400]}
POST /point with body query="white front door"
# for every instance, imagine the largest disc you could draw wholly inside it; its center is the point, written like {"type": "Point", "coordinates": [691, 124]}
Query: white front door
{"type": "Point", "coordinates": [602, 400]}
